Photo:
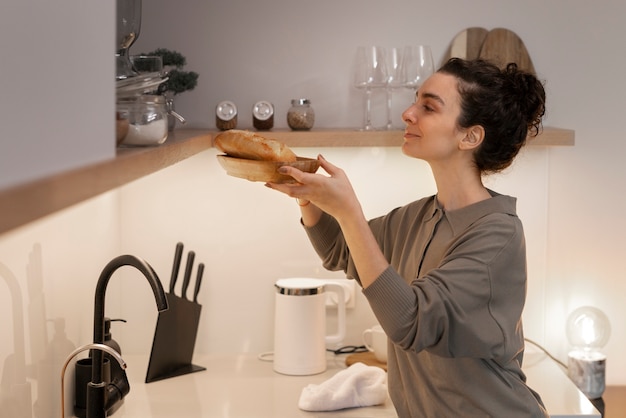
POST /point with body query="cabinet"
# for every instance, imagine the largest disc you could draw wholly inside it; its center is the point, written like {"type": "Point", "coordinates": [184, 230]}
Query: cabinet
{"type": "Point", "coordinates": [27, 202]}
{"type": "Point", "coordinates": [613, 402]}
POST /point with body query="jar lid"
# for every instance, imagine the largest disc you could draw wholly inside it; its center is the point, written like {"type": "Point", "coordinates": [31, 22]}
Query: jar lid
{"type": "Point", "coordinates": [143, 99]}
{"type": "Point", "coordinates": [263, 110]}
{"type": "Point", "coordinates": [300, 102]}
{"type": "Point", "coordinates": [226, 110]}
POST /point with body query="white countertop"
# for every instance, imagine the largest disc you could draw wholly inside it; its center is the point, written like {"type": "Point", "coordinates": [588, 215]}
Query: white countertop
{"type": "Point", "coordinates": [241, 385]}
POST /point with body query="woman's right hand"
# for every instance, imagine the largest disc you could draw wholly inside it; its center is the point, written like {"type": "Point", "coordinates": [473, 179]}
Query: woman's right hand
{"type": "Point", "coordinates": [333, 193]}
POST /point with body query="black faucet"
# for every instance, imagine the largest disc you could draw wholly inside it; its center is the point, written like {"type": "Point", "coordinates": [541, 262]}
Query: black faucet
{"type": "Point", "coordinates": [100, 395]}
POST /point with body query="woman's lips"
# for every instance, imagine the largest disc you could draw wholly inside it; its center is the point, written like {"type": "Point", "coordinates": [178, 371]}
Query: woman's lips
{"type": "Point", "coordinates": [408, 136]}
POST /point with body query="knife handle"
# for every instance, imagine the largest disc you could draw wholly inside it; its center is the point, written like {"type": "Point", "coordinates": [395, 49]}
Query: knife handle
{"type": "Point", "coordinates": [190, 257]}
{"type": "Point", "coordinates": [198, 282]}
{"type": "Point", "coordinates": [178, 255]}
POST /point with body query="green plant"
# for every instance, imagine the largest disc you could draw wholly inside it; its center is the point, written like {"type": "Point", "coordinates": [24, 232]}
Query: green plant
{"type": "Point", "coordinates": [178, 80]}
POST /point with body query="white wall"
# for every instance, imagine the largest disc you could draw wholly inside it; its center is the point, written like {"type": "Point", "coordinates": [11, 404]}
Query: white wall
{"type": "Point", "coordinates": [281, 49]}
{"type": "Point", "coordinates": [249, 236]}
{"type": "Point", "coordinates": [569, 197]}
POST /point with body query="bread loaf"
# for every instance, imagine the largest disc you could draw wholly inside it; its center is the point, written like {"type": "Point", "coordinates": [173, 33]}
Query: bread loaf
{"type": "Point", "coordinates": [252, 146]}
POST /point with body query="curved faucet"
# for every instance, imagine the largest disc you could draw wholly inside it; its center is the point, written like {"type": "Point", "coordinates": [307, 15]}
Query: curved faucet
{"type": "Point", "coordinates": [96, 387]}
{"type": "Point", "coordinates": [99, 347]}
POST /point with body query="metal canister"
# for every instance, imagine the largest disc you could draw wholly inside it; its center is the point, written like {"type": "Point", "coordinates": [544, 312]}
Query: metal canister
{"type": "Point", "coordinates": [263, 115]}
{"type": "Point", "coordinates": [226, 115]}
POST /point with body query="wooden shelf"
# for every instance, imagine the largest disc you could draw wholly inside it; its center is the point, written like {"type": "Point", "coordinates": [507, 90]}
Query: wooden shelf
{"type": "Point", "coordinates": [30, 201]}
{"type": "Point", "coordinates": [356, 138]}
{"type": "Point", "coordinates": [27, 202]}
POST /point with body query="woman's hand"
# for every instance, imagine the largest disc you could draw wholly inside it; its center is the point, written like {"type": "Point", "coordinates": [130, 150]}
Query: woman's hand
{"type": "Point", "coordinates": [332, 194]}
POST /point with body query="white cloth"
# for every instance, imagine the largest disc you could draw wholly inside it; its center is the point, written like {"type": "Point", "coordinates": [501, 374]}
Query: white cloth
{"type": "Point", "coordinates": [358, 385]}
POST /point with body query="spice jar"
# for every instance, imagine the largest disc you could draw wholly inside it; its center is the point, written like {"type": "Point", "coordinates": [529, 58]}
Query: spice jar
{"type": "Point", "coordinates": [147, 119]}
{"type": "Point", "coordinates": [300, 116]}
{"type": "Point", "coordinates": [226, 115]}
{"type": "Point", "coordinates": [263, 115]}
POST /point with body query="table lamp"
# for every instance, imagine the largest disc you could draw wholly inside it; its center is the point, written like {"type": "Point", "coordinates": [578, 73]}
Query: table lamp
{"type": "Point", "coordinates": [588, 330]}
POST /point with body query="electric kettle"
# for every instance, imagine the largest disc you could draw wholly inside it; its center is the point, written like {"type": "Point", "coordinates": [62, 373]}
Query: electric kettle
{"type": "Point", "coordinates": [300, 325]}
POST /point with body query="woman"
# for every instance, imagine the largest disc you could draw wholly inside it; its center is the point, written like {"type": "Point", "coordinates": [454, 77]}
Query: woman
{"type": "Point", "coordinates": [444, 275]}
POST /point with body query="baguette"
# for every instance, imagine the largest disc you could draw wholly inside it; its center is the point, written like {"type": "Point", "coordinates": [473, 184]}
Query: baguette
{"type": "Point", "coordinates": [252, 146]}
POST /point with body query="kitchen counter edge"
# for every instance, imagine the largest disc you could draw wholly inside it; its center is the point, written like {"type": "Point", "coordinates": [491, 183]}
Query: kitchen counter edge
{"type": "Point", "coordinates": [241, 385]}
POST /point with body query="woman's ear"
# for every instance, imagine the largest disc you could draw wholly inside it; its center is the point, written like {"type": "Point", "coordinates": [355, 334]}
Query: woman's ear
{"type": "Point", "coordinates": [474, 136]}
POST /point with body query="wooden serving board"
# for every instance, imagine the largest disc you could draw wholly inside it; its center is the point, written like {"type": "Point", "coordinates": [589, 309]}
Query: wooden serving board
{"type": "Point", "coordinates": [466, 44]}
{"type": "Point", "coordinates": [503, 46]}
{"type": "Point", "coordinates": [366, 358]}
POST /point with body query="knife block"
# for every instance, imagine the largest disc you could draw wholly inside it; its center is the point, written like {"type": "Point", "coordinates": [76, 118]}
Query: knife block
{"type": "Point", "coordinates": [174, 340]}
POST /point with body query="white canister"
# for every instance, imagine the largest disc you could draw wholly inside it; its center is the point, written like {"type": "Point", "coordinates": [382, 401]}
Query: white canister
{"type": "Point", "coordinates": [300, 325]}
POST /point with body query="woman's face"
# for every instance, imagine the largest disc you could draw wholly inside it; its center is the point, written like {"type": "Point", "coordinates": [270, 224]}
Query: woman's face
{"type": "Point", "coordinates": [431, 132]}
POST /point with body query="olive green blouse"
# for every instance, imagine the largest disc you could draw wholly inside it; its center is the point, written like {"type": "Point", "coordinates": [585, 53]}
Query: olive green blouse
{"type": "Point", "coordinates": [451, 304]}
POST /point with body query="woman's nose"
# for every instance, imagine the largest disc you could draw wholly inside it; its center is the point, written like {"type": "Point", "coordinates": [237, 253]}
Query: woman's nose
{"type": "Point", "coordinates": [408, 116]}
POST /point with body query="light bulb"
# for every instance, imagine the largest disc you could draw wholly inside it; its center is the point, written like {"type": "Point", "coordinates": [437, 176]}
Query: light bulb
{"type": "Point", "coordinates": [588, 330]}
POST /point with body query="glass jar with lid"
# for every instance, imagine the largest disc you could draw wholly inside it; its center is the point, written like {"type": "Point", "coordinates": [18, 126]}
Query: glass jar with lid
{"type": "Point", "coordinates": [263, 115]}
{"type": "Point", "coordinates": [300, 116]}
{"type": "Point", "coordinates": [226, 115]}
{"type": "Point", "coordinates": [147, 119]}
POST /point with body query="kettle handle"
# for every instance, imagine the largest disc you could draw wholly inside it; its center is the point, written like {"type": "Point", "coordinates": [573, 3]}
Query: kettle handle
{"type": "Point", "coordinates": [341, 313]}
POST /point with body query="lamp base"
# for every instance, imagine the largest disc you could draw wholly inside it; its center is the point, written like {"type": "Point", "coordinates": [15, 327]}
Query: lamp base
{"type": "Point", "coordinates": [587, 370]}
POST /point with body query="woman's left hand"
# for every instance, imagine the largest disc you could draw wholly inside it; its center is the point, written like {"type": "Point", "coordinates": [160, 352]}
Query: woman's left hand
{"type": "Point", "coordinates": [333, 193]}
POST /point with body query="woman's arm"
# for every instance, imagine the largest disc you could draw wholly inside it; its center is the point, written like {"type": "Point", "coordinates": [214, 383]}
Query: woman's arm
{"type": "Point", "coordinates": [334, 195]}
{"type": "Point", "coordinates": [366, 254]}
{"type": "Point", "coordinates": [311, 214]}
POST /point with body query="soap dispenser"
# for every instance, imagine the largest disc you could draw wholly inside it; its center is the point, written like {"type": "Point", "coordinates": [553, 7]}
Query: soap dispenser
{"type": "Point", "coordinates": [113, 373]}
{"type": "Point", "coordinates": [117, 372]}
{"type": "Point", "coordinates": [108, 340]}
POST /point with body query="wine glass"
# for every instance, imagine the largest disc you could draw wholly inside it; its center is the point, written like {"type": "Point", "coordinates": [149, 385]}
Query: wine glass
{"type": "Point", "coordinates": [395, 78]}
{"type": "Point", "coordinates": [127, 28]}
{"type": "Point", "coordinates": [418, 65]}
{"type": "Point", "coordinates": [370, 73]}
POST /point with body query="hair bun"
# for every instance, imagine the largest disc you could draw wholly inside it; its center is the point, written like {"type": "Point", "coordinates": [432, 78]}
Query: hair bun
{"type": "Point", "coordinates": [530, 95]}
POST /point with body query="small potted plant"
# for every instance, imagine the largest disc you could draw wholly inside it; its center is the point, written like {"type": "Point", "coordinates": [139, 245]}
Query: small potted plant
{"type": "Point", "coordinates": [178, 80]}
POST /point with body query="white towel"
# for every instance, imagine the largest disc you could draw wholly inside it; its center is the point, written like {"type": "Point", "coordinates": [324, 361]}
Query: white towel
{"type": "Point", "coordinates": [358, 385]}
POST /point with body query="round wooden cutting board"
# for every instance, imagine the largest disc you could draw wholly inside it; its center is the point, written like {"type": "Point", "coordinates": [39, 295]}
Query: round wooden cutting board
{"type": "Point", "coordinates": [366, 358]}
{"type": "Point", "coordinates": [466, 44]}
{"type": "Point", "coordinates": [503, 46]}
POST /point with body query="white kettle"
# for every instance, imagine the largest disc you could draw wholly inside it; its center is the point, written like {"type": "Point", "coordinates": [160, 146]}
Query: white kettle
{"type": "Point", "coordinates": [300, 325]}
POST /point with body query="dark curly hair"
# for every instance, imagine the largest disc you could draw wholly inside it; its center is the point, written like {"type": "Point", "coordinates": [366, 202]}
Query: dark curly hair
{"type": "Point", "coordinates": [508, 103]}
